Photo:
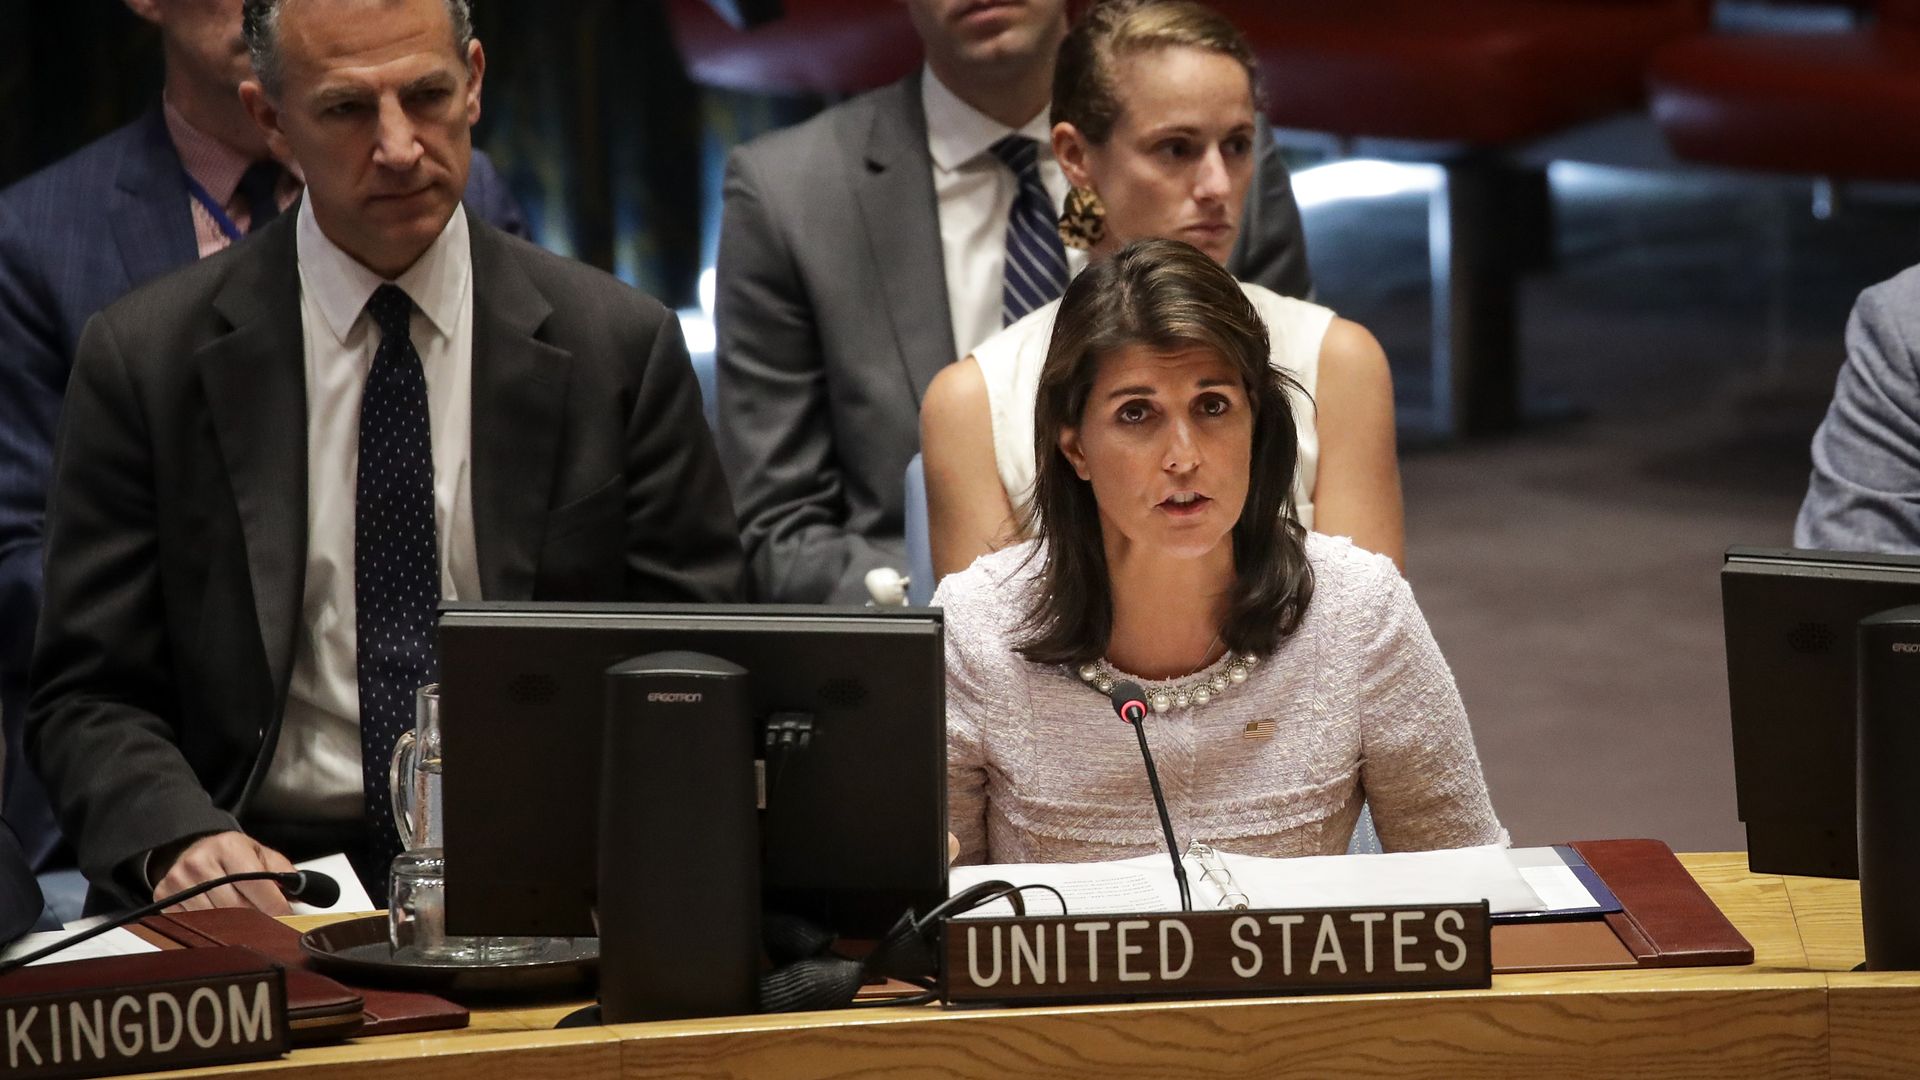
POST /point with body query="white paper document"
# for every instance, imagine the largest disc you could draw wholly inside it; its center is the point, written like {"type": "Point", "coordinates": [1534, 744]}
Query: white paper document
{"type": "Point", "coordinates": [1454, 876]}
{"type": "Point", "coordinates": [1559, 889]}
{"type": "Point", "coordinates": [1088, 888]}
{"type": "Point", "coordinates": [119, 941]}
{"type": "Point", "coordinates": [1459, 875]}
{"type": "Point", "coordinates": [353, 895]}
{"type": "Point", "coordinates": [1559, 886]}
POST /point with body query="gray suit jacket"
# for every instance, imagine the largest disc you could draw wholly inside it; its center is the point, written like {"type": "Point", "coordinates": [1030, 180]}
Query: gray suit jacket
{"type": "Point", "coordinates": [177, 520]}
{"type": "Point", "coordinates": [1864, 494]}
{"type": "Point", "coordinates": [832, 313]}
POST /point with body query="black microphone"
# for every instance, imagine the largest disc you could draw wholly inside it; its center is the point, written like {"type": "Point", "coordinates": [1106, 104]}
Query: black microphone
{"type": "Point", "coordinates": [1131, 703]}
{"type": "Point", "coordinates": [307, 886]}
{"type": "Point", "coordinates": [310, 887]}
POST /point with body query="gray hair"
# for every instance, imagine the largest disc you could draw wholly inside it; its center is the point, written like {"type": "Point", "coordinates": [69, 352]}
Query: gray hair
{"type": "Point", "coordinates": [260, 23]}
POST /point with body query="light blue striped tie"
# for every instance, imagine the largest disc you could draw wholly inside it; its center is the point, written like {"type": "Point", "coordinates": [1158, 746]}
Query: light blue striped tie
{"type": "Point", "coordinates": [1036, 260]}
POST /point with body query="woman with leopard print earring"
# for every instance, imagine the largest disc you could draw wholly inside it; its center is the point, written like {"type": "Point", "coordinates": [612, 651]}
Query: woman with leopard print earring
{"type": "Point", "coordinates": [1154, 125]}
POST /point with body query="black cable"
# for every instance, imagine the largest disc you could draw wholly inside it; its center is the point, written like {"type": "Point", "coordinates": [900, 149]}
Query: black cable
{"type": "Point", "coordinates": [295, 884]}
{"type": "Point", "coordinates": [982, 894]}
{"type": "Point", "coordinates": [973, 896]}
{"type": "Point", "coordinates": [820, 977]}
{"type": "Point", "coordinates": [969, 899]}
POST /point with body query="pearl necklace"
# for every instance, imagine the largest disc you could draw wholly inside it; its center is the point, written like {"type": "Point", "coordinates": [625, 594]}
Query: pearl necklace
{"type": "Point", "coordinates": [1231, 671]}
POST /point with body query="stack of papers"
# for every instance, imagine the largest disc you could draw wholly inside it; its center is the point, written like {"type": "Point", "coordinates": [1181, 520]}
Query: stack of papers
{"type": "Point", "coordinates": [1521, 883]}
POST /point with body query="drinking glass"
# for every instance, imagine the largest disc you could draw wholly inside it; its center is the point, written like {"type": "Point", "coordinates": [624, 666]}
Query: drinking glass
{"type": "Point", "coordinates": [417, 886]}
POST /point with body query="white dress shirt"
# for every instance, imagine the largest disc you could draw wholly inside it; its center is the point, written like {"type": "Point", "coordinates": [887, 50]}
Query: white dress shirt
{"type": "Point", "coordinates": [975, 192]}
{"type": "Point", "coordinates": [315, 773]}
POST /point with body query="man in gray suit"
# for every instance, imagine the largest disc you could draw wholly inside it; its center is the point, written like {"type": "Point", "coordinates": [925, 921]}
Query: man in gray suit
{"type": "Point", "coordinates": [861, 252]}
{"type": "Point", "coordinates": [1864, 494]}
{"type": "Point", "coordinates": [274, 463]}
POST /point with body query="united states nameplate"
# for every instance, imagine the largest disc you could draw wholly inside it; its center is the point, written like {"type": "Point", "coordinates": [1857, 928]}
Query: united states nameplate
{"type": "Point", "coordinates": [1068, 958]}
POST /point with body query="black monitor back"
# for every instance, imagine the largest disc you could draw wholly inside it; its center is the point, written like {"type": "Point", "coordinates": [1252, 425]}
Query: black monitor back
{"type": "Point", "coordinates": [855, 827]}
{"type": "Point", "coordinates": [1791, 621]}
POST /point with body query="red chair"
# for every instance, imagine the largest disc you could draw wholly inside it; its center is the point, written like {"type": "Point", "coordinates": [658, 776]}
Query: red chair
{"type": "Point", "coordinates": [826, 48]}
{"type": "Point", "coordinates": [1486, 73]}
{"type": "Point", "coordinates": [1841, 106]}
{"type": "Point", "coordinates": [1464, 83]}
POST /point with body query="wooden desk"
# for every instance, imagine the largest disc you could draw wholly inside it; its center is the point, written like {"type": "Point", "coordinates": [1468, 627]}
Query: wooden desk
{"type": "Point", "coordinates": [1797, 1011]}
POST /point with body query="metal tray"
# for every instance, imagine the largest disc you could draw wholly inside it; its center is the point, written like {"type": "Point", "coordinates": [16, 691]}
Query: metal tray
{"type": "Point", "coordinates": [358, 952]}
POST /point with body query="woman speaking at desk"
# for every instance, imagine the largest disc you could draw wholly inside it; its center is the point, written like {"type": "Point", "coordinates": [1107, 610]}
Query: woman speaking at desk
{"type": "Point", "coordinates": [1291, 674]}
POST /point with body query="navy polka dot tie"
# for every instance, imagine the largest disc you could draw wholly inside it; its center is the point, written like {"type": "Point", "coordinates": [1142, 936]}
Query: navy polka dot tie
{"type": "Point", "coordinates": [396, 567]}
{"type": "Point", "coordinates": [1036, 272]}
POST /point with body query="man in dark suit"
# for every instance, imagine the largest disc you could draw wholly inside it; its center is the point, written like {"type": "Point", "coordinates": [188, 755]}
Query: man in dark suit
{"type": "Point", "coordinates": [21, 905]}
{"type": "Point", "coordinates": [80, 234]}
{"type": "Point", "coordinates": [265, 479]}
{"type": "Point", "coordinates": [860, 253]}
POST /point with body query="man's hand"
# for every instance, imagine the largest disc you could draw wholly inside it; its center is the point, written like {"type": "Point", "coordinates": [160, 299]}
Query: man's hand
{"type": "Point", "coordinates": [953, 848]}
{"type": "Point", "coordinates": [217, 856]}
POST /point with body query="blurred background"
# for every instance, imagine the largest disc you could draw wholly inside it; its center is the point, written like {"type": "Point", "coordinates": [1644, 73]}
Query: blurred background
{"type": "Point", "coordinates": [1609, 246]}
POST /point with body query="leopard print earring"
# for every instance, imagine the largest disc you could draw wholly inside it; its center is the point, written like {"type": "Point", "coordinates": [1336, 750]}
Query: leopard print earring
{"type": "Point", "coordinates": [1083, 221]}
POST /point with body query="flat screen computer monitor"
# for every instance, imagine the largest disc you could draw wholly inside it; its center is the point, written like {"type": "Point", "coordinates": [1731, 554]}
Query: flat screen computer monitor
{"type": "Point", "coordinates": [853, 833]}
{"type": "Point", "coordinates": [1791, 623]}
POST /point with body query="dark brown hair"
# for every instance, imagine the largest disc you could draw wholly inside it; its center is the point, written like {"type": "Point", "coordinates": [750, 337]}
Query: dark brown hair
{"type": "Point", "coordinates": [1085, 91]}
{"type": "Point", "coordinates": [1163, 294]}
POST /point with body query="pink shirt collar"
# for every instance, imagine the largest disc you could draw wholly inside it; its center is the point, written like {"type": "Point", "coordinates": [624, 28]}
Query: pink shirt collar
{"type": "Point", "coordinates": [212, 164]}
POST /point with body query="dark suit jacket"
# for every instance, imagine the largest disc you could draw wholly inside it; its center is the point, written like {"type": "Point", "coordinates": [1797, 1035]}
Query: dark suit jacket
{"type": "Point", "coordinates": [832, 319]}
{"type": "Point", "coordinates": [176, 524]}
{"type": "Point", "coordinates": [74, 237]}
{"type": "Point", "coordinates": [20, 901]}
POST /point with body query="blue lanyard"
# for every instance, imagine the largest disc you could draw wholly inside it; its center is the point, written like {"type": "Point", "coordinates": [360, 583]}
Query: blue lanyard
{"type": "Point", "coordinates": [213, 210]}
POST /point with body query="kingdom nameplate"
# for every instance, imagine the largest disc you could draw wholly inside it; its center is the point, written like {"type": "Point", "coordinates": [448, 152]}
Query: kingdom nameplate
{"type": "Point", "coordinates": [1074, 958]}
{"type": "Point", "coordinates": [122, 1014]}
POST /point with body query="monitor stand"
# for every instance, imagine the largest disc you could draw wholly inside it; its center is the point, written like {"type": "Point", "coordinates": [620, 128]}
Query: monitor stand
{"type": "Point", "coordinates": [678, 905]}
{"type": "Point", "coordinates": [1888, 755]}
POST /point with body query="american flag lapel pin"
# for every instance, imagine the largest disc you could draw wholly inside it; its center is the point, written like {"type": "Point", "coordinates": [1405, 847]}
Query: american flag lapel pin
{"type": "Point", "coordinates": [1260, 729]}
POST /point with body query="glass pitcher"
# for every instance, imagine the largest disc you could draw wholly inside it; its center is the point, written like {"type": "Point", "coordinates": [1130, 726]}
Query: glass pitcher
{"type": "Point", "coordinates": [416, 897]}
{"type": "Point", "coordinates": [413, 778]}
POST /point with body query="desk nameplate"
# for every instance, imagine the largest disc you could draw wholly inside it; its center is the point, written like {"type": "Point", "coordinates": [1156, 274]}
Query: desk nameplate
{"type": "Point", "coordinates": [165, 1010]}
{"type": "Point", "coordinates": [1079, 958]}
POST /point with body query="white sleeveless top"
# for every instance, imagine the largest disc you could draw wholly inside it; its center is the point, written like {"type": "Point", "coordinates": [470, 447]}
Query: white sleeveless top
{"type": "Point", "coordinates": [1010, 361]}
